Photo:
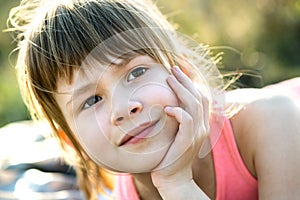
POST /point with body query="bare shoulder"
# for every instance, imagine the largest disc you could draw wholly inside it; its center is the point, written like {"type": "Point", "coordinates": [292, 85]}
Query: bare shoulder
{"type": "Point", "coordinates": [262, 110]}
{"type": "Point", "coordinates": [267, 132]}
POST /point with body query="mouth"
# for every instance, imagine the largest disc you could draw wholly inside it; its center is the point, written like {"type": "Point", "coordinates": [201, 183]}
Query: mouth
{"type": "Point", "coordinates": [138, 134]}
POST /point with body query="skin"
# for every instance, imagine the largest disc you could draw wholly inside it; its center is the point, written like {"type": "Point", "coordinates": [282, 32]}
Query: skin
{"type": "Point", "coordinates": [267, 133]}
{"type": "Point", "coordinates": [182, 129]}
{"type": "Point", "coordinates": [126, 102]}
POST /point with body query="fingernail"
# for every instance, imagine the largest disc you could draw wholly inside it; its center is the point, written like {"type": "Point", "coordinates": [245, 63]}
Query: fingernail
{"type": "Point", "coordinates": [176, 68]}
{"type": "Point", "coordinates": [167, 108]}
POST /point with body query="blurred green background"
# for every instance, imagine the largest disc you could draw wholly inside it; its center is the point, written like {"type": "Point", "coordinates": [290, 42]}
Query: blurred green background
{"type": "Point", "coordinates": [258, 36]}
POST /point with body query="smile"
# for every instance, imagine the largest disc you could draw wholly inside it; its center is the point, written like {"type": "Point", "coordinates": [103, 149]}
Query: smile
{"type": "Point", "coordinates": [138, 134]}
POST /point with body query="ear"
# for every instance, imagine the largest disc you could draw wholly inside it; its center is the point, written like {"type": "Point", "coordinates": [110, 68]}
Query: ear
{"type": "Point", "coordinates": [65, 139]}
{"type": "Point", "coordinates": [184, 65]}
{"type": "Point", "coordinates": [68, 144]}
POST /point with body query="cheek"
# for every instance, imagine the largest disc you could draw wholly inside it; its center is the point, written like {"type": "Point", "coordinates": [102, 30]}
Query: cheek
{"type": "Point", "coordinates": [156, 94]}
{"type": "Point", "coordinates": [94, 137]}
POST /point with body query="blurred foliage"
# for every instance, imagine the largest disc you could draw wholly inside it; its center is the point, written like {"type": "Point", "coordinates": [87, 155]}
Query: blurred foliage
{"type": "Point", "coordinates": [260, 37]}
{"type": "Point", "coordinates": [11, 105]}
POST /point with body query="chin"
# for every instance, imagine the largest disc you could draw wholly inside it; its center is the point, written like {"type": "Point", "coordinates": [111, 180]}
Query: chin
{"type": "Point", "coordinates": [147, 162]}
{"type": "Point", "coordinates": [146, 156]}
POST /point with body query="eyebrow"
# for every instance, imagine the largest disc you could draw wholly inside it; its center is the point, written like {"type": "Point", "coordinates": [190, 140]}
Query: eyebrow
{"type": "Point", "coordinates": [79, 91]}
{"type": "Point", "coordinates": [123, 62]}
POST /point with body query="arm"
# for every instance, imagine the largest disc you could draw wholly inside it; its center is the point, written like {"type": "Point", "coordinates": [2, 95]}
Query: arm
{"type": "Point", "coordinates": [270, 145]}
{"type": "Point", "coordinates": [187, 190]}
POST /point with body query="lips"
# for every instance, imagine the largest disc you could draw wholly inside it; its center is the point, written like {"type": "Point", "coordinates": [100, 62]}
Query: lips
{"type": "Point", "coordinates": [138, 134]}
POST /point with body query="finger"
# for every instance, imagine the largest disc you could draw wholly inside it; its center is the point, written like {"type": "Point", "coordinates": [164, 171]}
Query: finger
{"type": "Point", "coordinates": [182, 93]}
{"type": "Point", "coordinates": [187, 101]}
{"type": "Point", "coordinates": [199, 116]}
{"type": "Point", "coordinates": [199, 132]}
{"type": "Point", "coordinates": [206, 113]}
{"type": "Point", "coordinates": [200, 103]}
{"type": "Point", "coordinates": [179, 114]}
{"type": "Point", "coordinates": [187, 125]}
{"type": "Point", "coordinates": [189, 85]}
{"type": "Point", "coordinates": [185, 80]}
{"type": "Point", "coordinates": [184, 139]}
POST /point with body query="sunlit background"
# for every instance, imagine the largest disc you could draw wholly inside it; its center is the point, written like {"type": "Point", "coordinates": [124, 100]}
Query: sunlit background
{"type": "Point", "coordinates": [262, 37]}
{"type": "Point", "coordinates": [259, 37]}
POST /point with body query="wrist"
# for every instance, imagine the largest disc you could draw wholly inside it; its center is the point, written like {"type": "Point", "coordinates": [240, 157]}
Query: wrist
{"type": "Point", "coordinates": [164, 179]}
{"type": "Point", "coordinates": [181, 191]}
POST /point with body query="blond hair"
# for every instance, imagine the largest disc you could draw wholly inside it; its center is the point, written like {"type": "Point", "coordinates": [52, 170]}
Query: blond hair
{"type": "Point", "coordinates": [56, 36]}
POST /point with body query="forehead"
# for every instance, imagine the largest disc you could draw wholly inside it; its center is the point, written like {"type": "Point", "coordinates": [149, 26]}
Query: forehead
{"type": "Point", "coordinates": [91, 72]}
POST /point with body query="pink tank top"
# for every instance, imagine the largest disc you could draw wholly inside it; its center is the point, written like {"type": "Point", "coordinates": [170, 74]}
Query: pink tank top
{"type": "Point", "coordinates": [233, 180]}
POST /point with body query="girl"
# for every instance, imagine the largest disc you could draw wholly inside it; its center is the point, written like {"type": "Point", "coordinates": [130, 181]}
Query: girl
{"type": "Point", "coordinates": [135, 116]}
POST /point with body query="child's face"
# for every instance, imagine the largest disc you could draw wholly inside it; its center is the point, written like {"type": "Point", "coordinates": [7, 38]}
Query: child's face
{"type": "Point", "coordinates": [116, 113]}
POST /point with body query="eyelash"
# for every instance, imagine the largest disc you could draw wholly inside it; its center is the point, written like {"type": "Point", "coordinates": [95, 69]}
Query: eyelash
{"type": "Point", "coordinates": [96, 99]}
{"type": "Point", "coordinates": [131, 76]}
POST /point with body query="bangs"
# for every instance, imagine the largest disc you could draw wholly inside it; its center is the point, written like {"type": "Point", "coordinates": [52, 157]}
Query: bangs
{"type": "Point", "coordinates": [72, 33]}
{"type": "Point", "coordinates": [154, 42]}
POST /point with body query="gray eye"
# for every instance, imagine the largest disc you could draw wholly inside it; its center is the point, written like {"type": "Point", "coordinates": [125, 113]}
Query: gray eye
{"type": "Point", "coordinates": [136, 73]}
{"type": "Point", "coordinates": [92, 101]}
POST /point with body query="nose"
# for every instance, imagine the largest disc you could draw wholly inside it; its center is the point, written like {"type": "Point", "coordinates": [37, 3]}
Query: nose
{"type": "Point", "coordinates": [123, 112]}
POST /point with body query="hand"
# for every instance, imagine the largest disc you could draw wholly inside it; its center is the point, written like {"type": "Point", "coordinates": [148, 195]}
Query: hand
{"type": "Point", "coordinates": [193, 118]}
